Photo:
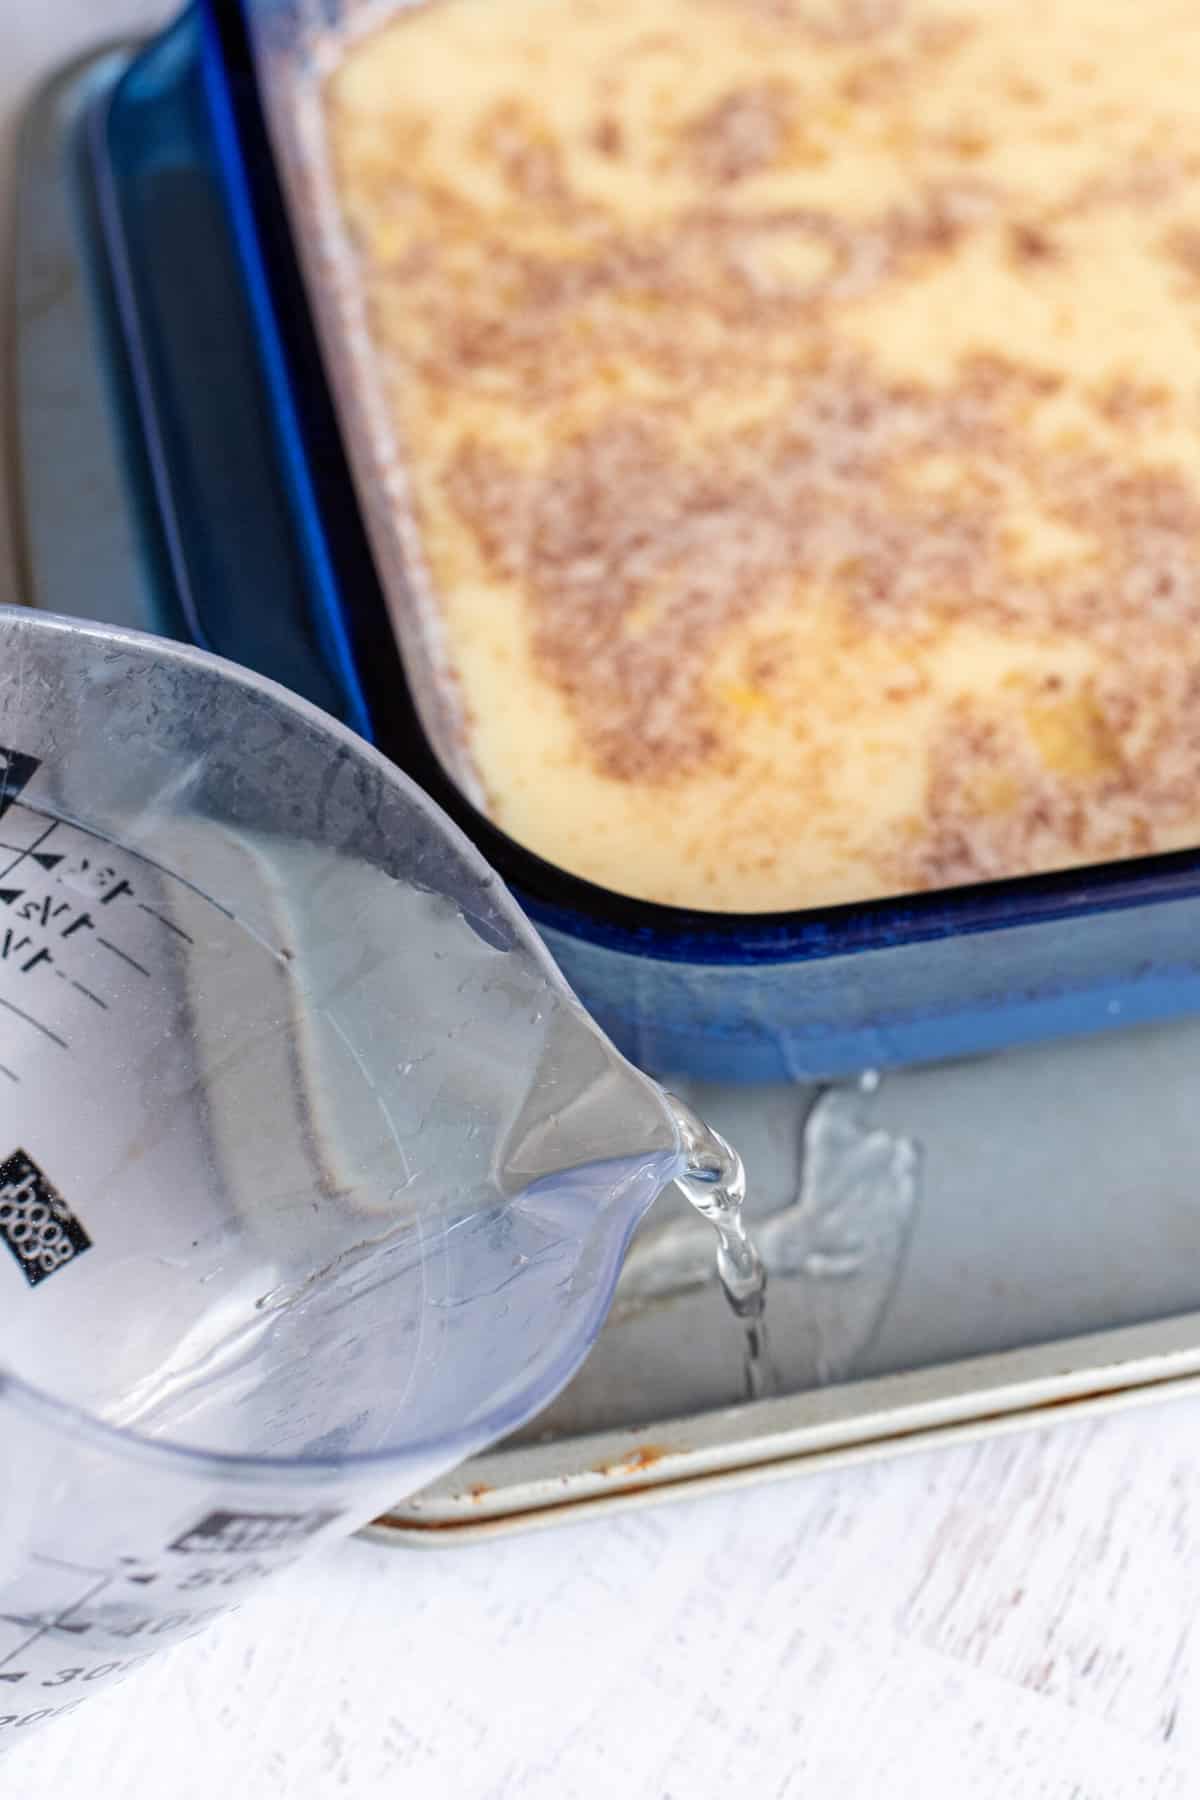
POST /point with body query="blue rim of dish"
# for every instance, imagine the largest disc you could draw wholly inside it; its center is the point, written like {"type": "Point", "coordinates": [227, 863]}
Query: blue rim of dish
{"type": "Point", "coordinates": [332, 528]}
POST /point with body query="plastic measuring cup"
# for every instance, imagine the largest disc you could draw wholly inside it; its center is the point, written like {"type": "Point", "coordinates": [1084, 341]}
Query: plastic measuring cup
{"type": "Point", "coordinates": [314, 1176]}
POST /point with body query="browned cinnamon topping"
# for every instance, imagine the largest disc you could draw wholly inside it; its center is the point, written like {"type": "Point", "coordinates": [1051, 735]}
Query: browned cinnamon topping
{"type": "Point", "coordinates": [798, 399]}
{"type": "Point", "coordinates": [743, 133]}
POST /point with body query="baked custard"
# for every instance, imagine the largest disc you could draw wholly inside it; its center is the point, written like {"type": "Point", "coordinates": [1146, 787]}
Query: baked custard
{"type": "Point", "coordinates": [792, 412]}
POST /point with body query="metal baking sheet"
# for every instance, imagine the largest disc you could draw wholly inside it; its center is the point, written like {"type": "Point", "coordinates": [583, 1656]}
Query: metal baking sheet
{"type": "Point", "coordinates": [963, 1249]}
{"type": "Point", "coordinates": [564, 1479]}
{"type": "Point", "coordinates": [1049, 1258]}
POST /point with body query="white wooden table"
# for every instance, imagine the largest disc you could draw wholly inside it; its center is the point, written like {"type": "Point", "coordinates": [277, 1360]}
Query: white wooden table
{"type": "Point", "coordinates": [1015, 1618]}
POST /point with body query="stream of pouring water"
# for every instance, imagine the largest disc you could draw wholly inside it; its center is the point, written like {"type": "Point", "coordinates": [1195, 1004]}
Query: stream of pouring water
{"type": "Point", "coordinates": [714, 1181]}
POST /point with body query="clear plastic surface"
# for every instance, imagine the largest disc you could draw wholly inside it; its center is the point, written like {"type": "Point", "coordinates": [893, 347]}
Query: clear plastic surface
{"type": "Point", "coordinates": [314, 1176]}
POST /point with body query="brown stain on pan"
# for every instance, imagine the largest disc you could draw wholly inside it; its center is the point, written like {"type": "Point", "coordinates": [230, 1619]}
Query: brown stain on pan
{"type": "Point", "coordinates": [1031, 1415]}
{"type": "Point", "coordinates": [644, 1457]}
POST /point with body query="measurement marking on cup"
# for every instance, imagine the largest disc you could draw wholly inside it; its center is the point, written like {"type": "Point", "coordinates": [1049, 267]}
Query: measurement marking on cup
{"type": "Point", "coordinates": [124, 956]}
{"type": "Point", "coordinates": [169, 923]}
{"type": "Point", "coordinates": [36, 1023]}
{"type": "Point", "coordinates": [32, 850]}
{"type": "Point", "coordinates": [58, 1620]}
{"type": "Point", "coordinates": [60, 1562]}
{"type": "Point", "coordinates": [88, 995]}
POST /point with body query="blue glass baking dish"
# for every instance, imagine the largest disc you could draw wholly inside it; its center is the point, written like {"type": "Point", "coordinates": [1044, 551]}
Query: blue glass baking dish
{"type": "Point", "coordinates": [248, 502]}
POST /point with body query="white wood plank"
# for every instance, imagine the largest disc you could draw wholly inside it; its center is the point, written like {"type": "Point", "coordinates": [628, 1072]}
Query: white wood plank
{"type": "Point", "coordinates": [1017, 1617]}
